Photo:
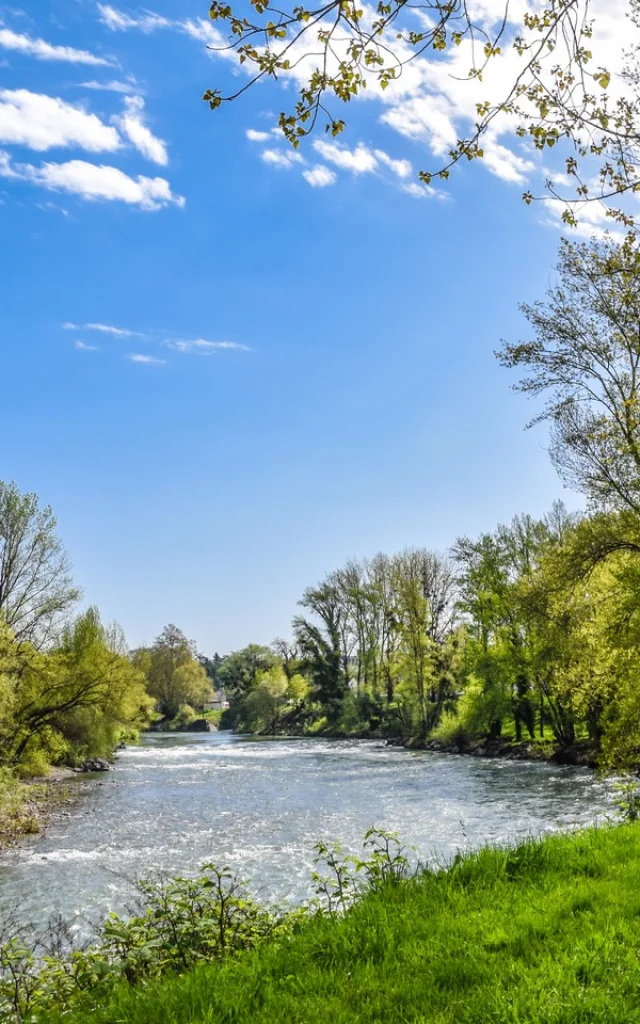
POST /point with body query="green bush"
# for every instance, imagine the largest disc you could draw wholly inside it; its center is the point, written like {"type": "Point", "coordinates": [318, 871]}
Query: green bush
{"type": "Point", "coordinates": [182, 922]}
{"type": "Point", "coordinates": [11, 797]}
{"type": "Point", "coordinates": [452, 731]}
{"type": "Point", "coordinates": [184, 716]}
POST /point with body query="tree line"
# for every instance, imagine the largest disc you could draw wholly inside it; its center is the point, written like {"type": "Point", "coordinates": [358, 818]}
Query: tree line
{"type": "Point", "coordinates": [528, 632]}
{"type": "Point", "coordinates": [70, 687]}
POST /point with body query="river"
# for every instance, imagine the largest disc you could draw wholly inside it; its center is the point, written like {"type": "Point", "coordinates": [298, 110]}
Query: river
{"type": "Point", "coordinates": [259, 805]}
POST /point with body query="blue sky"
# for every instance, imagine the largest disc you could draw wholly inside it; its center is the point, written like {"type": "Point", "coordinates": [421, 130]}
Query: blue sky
{"type": "Point", "coordinates": [303, 367]}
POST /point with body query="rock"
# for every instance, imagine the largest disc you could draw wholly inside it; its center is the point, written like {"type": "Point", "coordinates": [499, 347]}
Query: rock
{"type": "Point", "coordinates": [200, 725]}
{"type": "Point", "coordinates": [94, 764]}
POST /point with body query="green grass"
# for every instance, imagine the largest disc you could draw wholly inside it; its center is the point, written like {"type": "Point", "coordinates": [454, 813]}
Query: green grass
{"type": "Point", "coordinates": [548, 932]}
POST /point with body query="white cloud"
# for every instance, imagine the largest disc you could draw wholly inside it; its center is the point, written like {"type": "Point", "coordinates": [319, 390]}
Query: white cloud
{"type": "Point", "coordinates": [94, 182]}
{"type": "Point", "coordinates": [284, 158]}
{"type": "Point", "coordinates": [359, 160]}
{"type": "Point", "coordinates": [119, 21]}
{"type": "Point", "coordinates": [402, 168]}
{"type": "Point", "coordinates": [320, 176]}
{"type": "Point", "coordinates": [504, 163]}
{"type": "Point", "coordinates": [83, 347]}
{"type": "Point", "coordinates": [203, 31]}
{"type": "Point", "coordinates": [137, 357]}
{"type": "Point", "coordinates": [139, 134]}
{"type": "Point", "coordinates": [202, 347]}
{"type": "Point", "coordinates": [255, 136]}
{"type": "Point", "coordinates": [428, 118]}
{"type": "Point", "coordinates": [433, 101]}
{"type": "Point", "coordinates": [117, 332]}
{"type": "Point", "coordinates": [418, 191]}
{"type": "Point", "coordinates": [42, 122]}
{"type": "Point", "coordinates": [128, 88]}
{"type": "Point", "coordinates": [42, 50]}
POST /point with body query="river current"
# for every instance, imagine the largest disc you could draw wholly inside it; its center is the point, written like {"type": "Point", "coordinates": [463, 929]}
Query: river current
{"type": "Point", "coordinates": [259, 805]}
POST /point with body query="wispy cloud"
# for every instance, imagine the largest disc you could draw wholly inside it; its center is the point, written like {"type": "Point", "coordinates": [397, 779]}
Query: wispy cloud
{"type": "Point", "coordinates": [126, 87]}
{"type": "Point", "coordinates": [119, 21]}
{"type": "Point", "coordinates": [285, 158]}
{"type": "Point", "coordinates": [148, 21]}
{"type": "Point", "coordinates": [138, 357]}
{"type": "Point", "coordinates": [42, 50]}
{"type": "Point", "coordinates": [83, 347]}
{"type": "Point", "coordinates": [402, 168]}
{"type": "Point", "coordinates": [412, 188]}
{"type": "Point", "coordinates": [201, 346]}
{"type": "Point", "coordinates": [42, 122]}
{"type": "Point", "coordinates": [132, 124]}
{"type": "Point", "coordinates": [118, 332]}
{"type": "Point", "coordinates": [320, 176]}
{"type": "Point", "coordinates": [94, 182]}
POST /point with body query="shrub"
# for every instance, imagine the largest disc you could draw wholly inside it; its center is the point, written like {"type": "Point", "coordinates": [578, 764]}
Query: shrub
{"type": "Point", "coordinates": [184, 716]}
{"type": "Point", "coordinates": [452, 731]}
{"type": "Point", "coordinates": [181, 922]}
{"type": "Point", "coordinates": [11, 797]}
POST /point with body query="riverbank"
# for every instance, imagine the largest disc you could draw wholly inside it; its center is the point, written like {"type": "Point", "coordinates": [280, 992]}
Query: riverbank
{"type": "Point", "coordinates": [545, 933]}
{"type": "Point", "coordinates": [28, 805]}
{"type": "Point", "coordinates": [580, 755]}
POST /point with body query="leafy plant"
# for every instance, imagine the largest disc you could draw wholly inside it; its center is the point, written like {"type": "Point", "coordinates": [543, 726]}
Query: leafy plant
{"type": "Point", "coordinates": [628, 799]}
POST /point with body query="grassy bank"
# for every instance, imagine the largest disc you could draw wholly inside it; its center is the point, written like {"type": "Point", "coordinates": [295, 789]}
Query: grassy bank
{"type": "Point", "coordinates": [21, 808]}
{"type": "Point", "coordinates": [548, 932]}
{"type": "Point", "coordinates": [27, 804]}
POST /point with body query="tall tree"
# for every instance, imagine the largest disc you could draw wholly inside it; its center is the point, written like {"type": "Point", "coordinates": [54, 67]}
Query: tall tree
{"type": "Point", "coordinates": [76, 698]}
{"type": "Point", "coordinates": [584, 361]}
{"type": "Point", "coordinates": [174, 675]}
{"type": "Point", "coordinates": [324, 642]}
{"type": "Point", "coordinates": [36, 589]}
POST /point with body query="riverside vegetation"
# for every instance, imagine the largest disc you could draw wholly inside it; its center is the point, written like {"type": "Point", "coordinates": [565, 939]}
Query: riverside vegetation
{"type": "Point", "coordinates": [546, 932]}
{"type": "Point", "coordinates": [527, 634]}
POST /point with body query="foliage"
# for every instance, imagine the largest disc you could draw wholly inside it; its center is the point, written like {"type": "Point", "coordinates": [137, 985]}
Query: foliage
{"type": "Point", "coordinates": [16, 817]}
{"type": "Point", "coordinates": [184, 716]}
{"type": "Point", "coordinates": [180, 923]}
{"type": "Point", "coordinates": [546, 932]}
{"type": "Point", "coordinates": [173, 674]}
{"type": "Point", "coordinates": [36, 589]}
{"type": "Point", "coordinates": [551, 90]}
{"type": "Point", "coordinates": [628, 799]}
{"type": "Point", "coordinates": [585, 361]}
{"type": "Point", "coordinates": [73, 701]}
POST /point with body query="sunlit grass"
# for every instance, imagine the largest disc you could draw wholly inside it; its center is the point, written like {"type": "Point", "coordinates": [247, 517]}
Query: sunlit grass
{"type": "Point", "coordinates": [548, 932]}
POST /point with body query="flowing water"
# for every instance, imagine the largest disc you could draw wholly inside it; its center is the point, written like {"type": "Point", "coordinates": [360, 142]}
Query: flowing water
{"type": "Point", "coordinates": [259, 805]}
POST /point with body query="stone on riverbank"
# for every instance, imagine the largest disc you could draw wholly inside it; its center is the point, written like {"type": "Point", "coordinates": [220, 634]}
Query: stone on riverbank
{"type": "Point", "coordinates": [93, 764]}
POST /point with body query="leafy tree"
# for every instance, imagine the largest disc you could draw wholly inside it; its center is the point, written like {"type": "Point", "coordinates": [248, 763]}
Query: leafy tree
{"type": "Point", "coordinates": [75, 700]}
{"type": "Point", "coordinates": [324, 644]}
{"type": "Point", "coordinates": [288, 655]}
{"type": "Point", "coordinates": [497, 571]}
{"type": "Point", "coordinates": [36, 589]}
{"type": "Point", "coordinates": [585, 361]}
{"type": "Point", "coordinates": [212, 667]}
{"type": "Point", "coordinates": [174, 676]}
{"type": "Point", "coordinates": [553, 92]}
{"type": "Point", "coordinates": [239, 671]}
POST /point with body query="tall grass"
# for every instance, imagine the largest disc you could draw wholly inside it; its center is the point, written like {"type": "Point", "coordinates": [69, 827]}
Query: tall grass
{"type": "Point", "coordinates": [548, 932]}
{"type": "Point", "coordinates": [16, 813]}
